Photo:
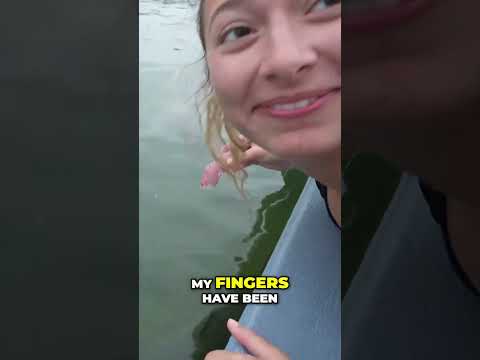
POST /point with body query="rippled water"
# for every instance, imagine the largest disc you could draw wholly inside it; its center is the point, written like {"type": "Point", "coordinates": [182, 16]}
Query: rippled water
{"type": "Point", "coordinates": [186, 232]}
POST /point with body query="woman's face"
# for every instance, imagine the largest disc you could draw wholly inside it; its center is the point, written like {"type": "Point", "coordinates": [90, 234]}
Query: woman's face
{"type": "Point", "coordinates": [275, 67]}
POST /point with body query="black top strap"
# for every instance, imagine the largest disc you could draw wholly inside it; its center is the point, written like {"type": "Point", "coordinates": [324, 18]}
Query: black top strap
{"type": "Point", "coordinates": [323, 192]}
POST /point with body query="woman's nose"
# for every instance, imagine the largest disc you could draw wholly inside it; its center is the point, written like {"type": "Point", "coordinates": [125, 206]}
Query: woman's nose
{"type": "Point", "coordinates": [288, 56]}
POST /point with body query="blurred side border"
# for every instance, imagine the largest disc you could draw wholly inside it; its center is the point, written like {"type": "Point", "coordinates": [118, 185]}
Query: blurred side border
{"type": "Point", "coordinates": [69, 183]}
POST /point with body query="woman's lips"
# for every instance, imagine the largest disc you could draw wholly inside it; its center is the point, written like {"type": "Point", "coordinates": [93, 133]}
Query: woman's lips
{"type": "Point", "coordinates": [385, 14]}
{"type": "Point", "coordinates": [296, 107]}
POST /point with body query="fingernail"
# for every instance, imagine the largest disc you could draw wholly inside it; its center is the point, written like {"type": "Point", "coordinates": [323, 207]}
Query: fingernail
{"type": "Point", "coordinates": [232, 323]}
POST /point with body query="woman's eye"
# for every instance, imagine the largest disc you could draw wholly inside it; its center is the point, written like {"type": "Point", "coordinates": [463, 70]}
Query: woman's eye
{"type": "Point", "coordinates": [236, 33]}
{"type": "Point", "coordinates": [323, 4]}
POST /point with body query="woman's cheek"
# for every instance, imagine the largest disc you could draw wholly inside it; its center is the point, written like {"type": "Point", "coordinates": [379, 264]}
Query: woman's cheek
{"type": "Point", "coordinates": [221, 89]}
{"type": "Point", "coordinates": [228, 84]}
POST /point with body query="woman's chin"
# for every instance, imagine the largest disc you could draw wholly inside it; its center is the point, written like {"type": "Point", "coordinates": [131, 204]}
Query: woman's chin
{"type": "Point", "coordinates": [306, 152]}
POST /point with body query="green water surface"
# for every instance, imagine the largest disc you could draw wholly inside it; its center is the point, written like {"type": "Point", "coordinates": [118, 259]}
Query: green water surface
{"type": "Point", "coordinates": [186, 232]}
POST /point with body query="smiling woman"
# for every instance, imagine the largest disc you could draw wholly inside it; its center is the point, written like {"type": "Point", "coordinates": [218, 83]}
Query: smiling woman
{"type": "Point", "coordinates": [274, 74]}
{"type": "Point", "coordinates": [274, 69]}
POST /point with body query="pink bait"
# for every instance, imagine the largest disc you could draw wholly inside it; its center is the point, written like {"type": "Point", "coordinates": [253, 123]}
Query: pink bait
{"type": "Point", "coordinates": [211, 175]}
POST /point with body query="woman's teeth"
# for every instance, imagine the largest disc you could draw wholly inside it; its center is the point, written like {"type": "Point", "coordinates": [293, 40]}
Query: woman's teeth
{"type": "Point", "coordinates": [294, 106]}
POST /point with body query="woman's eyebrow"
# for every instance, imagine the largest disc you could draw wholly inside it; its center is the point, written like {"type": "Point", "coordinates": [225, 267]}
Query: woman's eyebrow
{"type": "Point", "coordinates": [226, 5]}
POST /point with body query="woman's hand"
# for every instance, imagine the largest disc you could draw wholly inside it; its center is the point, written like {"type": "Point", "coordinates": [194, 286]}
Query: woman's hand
{"type": "Point", "coordinates": [256, 155]}
{"type": "Point", "coordinates": [257, 346]}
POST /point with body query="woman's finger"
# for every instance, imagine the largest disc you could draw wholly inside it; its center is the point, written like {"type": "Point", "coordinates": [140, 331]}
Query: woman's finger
{"type": "Point", "coordinates": [254, 155]}
{"type": "Point", "coordinates": [244, 140]}
{"type": "Point", "coordinates": [255, 345]}
{"type": "Point", "coordinates": [225, 148]}
{"type": "Point", "coordinates": [226, 355]}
